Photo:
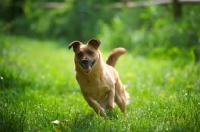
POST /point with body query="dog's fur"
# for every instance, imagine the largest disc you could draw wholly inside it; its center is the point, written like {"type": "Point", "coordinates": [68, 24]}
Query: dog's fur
{"type": "Point", "coordinates": [99, 81]}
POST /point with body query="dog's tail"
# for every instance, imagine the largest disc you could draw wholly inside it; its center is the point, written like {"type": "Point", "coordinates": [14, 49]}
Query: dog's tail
{"type": "Point", "coordinates": [114, 55]}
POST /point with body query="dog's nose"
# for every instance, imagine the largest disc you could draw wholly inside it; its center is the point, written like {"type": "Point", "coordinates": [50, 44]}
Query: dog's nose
{"type": "Point", "coordinates": [85, 61]}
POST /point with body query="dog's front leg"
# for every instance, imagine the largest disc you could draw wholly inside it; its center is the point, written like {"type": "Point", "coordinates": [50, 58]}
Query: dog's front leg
{"type": "Point", "coordinates": [96, 106]}
{"type": "Point", "coordinates": [110, 105]}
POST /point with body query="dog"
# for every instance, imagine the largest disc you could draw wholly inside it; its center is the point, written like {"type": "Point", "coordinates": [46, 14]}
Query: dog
{"type": "Point", "coordinates": [99, 81]}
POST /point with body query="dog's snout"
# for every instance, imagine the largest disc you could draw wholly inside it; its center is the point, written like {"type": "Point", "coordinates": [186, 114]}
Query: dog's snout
{"type": "Point", "coordinates": [85, 61]}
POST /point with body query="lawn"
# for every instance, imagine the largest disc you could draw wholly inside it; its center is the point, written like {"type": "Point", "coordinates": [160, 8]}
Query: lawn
{"type": "Point", "coordinates": [38, 91]}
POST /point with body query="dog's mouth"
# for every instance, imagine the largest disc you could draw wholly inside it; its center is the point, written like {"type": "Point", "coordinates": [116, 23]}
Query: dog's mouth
{"type": "Point", "coordinates": [87, 65]}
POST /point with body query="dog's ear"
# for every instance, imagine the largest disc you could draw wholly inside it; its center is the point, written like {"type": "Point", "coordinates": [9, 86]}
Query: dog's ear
{"type": "Point", "coordinates": [95, 43]}
{"type": "Point", "coordinates": [74, 44]}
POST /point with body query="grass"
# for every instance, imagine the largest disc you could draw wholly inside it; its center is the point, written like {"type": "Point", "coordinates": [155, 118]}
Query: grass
{"type": "Point", "coordinates": [38, 91]}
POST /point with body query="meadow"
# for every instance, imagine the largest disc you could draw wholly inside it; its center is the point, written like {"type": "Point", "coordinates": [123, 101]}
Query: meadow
{"type": "Point", "coordinates": [39, 93]}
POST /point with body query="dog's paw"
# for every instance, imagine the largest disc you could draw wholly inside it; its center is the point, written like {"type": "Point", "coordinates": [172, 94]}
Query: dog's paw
{"type": "Point", "coordinates": [110, 106]}
{"type": "Point", "coordinates": [102, 112]}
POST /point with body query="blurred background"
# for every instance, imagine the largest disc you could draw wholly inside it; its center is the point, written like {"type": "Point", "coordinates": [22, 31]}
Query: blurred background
{"type": "Point", "coordinates": [154, 28]}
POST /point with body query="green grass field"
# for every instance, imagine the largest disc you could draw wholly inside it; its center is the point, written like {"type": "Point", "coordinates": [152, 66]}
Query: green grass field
{"type": "Point", "coordinates": [39, 93]}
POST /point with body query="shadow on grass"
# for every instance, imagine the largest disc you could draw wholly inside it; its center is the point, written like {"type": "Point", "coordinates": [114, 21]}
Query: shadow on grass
{"type": "Point", "coordinates": [86, 122]}
{"type": "Point", "coordinates": [90, 122]}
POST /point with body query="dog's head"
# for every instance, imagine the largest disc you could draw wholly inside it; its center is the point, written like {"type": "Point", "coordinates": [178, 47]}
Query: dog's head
{"type": "Point", "coordinates": [86, 55]}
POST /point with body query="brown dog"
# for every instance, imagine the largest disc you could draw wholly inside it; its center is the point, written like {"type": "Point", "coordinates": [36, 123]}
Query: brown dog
{"type": "Point", "coordinates": [99, 81]}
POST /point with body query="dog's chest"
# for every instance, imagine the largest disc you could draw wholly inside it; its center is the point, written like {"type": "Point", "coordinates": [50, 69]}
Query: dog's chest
{"type": "Point", "coordinates": [97, 92]}
{"type": "Point", "coordinates": [96, 88]}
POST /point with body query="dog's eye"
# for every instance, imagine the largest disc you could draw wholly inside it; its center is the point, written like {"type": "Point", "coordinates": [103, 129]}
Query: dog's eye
{"type": "Point", "coordinates": [90, 52]}
{"type": "Point", "coordinates": [80, 54]}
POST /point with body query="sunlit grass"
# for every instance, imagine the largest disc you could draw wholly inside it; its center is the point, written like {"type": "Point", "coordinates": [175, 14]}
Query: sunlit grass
{"type": "Point", "coordinates": [39, 91]}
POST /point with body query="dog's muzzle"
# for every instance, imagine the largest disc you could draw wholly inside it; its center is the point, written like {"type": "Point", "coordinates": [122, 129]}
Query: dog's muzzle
{"type": "Point", "coordinates": [87, 65]}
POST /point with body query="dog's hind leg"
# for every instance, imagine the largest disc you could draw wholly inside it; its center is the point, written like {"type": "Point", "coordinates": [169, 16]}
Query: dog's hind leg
{"type": "Point", "coordinates": [121, 102]}
{"type": "Point", "coordinates": [121, 97]}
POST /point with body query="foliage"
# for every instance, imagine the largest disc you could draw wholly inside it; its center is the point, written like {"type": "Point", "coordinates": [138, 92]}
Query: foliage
{"type": "Point", "coordinates": [153, 31]}
{"type": "Point", "coordinates": [76, 20]}
{"type": "Point", "coordinates": [38, 91]}
{"type": "Point", "coordinates": [149, 31]}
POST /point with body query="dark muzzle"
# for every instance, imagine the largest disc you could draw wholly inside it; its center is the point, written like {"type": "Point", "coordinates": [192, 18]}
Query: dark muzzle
{"type": "Point", "coordinates": [87, 65]}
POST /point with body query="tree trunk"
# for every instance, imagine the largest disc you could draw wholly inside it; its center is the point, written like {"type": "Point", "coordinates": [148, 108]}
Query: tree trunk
{"type": "Point", "coordinates": [197, 54]}
{"type": "Point", "coordinates": [177, 9]}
